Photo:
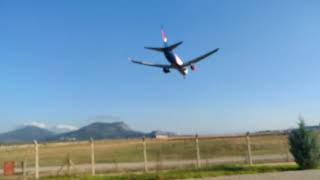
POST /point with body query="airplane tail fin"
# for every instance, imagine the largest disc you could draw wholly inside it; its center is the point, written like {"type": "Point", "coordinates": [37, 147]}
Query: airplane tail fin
{"type": "Point", "coordinates": [164, 37]}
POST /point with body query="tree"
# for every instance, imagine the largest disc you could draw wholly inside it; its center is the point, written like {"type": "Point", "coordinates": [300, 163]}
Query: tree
{"type": "Point", "coordinates": [304, 146]}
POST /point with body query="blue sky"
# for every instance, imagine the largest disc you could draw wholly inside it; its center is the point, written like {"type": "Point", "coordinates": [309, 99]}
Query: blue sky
{"type": "Point", "coordinates": [65, 62]}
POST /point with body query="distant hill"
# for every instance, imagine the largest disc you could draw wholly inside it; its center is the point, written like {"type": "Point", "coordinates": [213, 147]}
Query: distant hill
{"type": "Point", "coordinates": [101, 130]}
{"type": "Point", "coordinates": [25, 134]}
{"type": "Point", "coordinates": [286, 131]}
{"type": "Point", "coordinates": [163, 133]}
{"type": "Point", "coordinates": [61, 128]}
{"type": "Point", "coordinates": [97, 130]}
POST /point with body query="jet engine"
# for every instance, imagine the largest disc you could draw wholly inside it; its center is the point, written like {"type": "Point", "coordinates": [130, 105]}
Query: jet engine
{"type": "Point", "coordinates": [193, 67]}
{"type": "Point", "coordinates": [166, 70]}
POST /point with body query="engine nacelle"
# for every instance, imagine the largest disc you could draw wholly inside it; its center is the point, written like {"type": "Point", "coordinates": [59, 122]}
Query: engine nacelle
{"type": "Point", "coordinates": [166, 70]}
{"type": "Point", "coordinates": [193, 67]}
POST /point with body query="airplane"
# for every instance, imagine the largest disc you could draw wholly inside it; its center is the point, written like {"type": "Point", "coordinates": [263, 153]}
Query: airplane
{"type": "Point", "coordinates": [174, 60]}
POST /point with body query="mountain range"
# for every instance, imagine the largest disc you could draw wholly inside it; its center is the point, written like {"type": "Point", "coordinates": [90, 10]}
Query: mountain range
{"type": "Point", "coordinates": [97, 130]}
{"type": "Point", "coordinates": [25, 134]}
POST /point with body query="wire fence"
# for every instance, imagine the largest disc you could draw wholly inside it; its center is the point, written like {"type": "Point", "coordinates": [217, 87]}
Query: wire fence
{"type": "Point", "coordinates": [102, 156]}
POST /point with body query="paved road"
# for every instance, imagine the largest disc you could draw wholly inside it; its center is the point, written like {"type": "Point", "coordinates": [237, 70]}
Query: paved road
{"type": "Point", "coordinates": [289, 175]}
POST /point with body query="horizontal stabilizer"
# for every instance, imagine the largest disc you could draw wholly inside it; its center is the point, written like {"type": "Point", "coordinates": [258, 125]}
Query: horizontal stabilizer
{"type": "Point", "coordinates": [174, 45]}
{"type": "Point", "coordinates": [165, 48]}
{"type": "Point", "coordinates": [155, 48]}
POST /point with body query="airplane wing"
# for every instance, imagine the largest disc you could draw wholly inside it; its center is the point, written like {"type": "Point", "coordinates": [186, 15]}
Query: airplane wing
{"type": "Point", "coordinates": [150, 64]}
{"type": "Point", "coordinates": [195, 60]}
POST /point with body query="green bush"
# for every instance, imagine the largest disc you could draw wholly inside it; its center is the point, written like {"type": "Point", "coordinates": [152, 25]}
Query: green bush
{"type": "Point", "coordinates": [304, 146]}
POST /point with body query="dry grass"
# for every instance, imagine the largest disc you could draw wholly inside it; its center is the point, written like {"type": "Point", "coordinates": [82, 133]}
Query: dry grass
{"type": "Point", "coordinates": [114, 151]}
{"type": "Point", "coordinates": [212, 171]}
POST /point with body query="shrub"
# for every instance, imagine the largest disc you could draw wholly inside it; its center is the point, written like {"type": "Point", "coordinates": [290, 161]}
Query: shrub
{"type": "Point", "coordinates": [304, 146]}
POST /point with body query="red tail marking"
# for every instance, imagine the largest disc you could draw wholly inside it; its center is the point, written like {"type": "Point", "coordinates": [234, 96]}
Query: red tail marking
{"type": "Point", "coordinates": [164, 38]}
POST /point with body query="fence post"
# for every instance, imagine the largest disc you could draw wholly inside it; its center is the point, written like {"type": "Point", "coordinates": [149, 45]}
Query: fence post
{"type": "Point", "coordinates": [287, 150]}
{"type": "Point", "coordinates": [36, 152]}
{"type": "Point", "coordinates": [23, 168]}
{"type": "Point", "coordinates": [249, 149]}
{"type": "Point", "coordinates": [198, 151]}
{"type": "Point", "coordinates": [69, 164]}
{"type": "Point", "coordinates": [145, 154]}
{"type": "Point", "coordinates": [93, 168]}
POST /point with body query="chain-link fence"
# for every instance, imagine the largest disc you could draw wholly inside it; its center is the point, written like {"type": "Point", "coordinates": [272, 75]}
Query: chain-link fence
{"type": "Point", "coordinates": [143, 155]}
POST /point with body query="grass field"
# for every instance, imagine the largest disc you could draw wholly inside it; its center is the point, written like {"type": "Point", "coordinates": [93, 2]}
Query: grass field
{"type": "Point", "coordinates": [212, 171]}
{"type": "Point", "coordinates": [113, 151]}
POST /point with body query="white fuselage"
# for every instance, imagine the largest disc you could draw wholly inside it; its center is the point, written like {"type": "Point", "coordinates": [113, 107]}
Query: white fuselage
{"type": "Point", "coordinates": [176, 62]}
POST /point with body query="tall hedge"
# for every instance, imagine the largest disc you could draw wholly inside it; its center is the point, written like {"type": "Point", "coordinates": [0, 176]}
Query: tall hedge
{"type": "Point", "coordinates": [304, 146]}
